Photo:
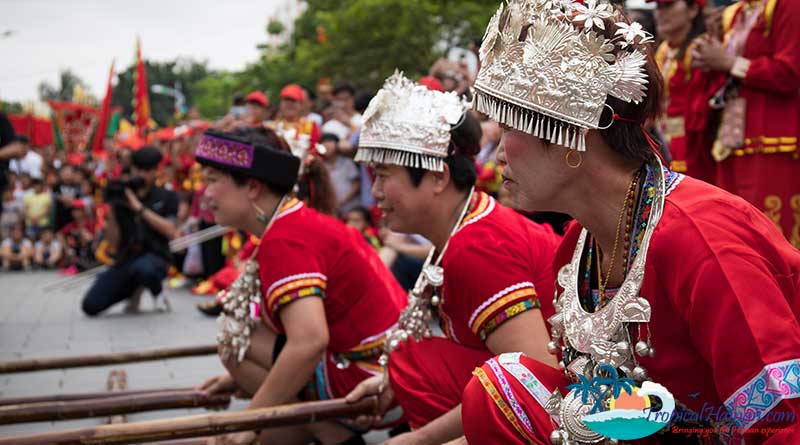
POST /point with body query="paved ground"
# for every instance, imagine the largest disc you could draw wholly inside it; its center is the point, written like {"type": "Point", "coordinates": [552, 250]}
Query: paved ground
{"type": "Point", "coordinates": [35, 323]}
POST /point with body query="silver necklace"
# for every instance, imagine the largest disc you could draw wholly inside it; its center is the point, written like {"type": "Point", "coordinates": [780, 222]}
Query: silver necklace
{"type": "Point", "coordinates": [415, 318]}
{"type": "Point", "coordinates": [235, 322]}
{"type": "Point", "coordinates": [600, 338]}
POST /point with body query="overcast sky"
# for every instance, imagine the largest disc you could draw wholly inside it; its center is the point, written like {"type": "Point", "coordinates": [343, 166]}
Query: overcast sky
{"type": "Point", "coordinates": [85, 35]}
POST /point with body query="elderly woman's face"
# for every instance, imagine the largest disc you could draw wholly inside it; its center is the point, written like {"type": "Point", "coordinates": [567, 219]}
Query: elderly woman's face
{"type": "Point", "coordinates": [533, 172]}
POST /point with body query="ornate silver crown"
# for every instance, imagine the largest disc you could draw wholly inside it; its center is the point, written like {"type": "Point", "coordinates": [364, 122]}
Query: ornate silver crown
{"type": "Point", "coordinates": [547, 67]}
{"type": "Point", "coordinates": [408, 124]}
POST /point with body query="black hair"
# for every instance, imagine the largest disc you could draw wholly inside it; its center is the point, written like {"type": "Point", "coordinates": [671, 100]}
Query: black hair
{"type": "Point", "coordinates": [22, 139]}
{"type": "Point", "coordinates": [465, 143]}
{"type": "Point", "coordinates": [365, 214]}
{"type": "Point", "coordinates": [343, 87]}
{"type": "Point", "coordinates": [329, 137]}
{"type": "Point", "coordinates": [362, 101]}
{"type": "Point", "coordinates": [314, 185]}
{"type": "Point", "coordinates": [698, 28]}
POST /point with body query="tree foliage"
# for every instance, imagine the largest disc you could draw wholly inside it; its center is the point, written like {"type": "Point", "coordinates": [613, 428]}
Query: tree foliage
{"type": "Point", "coordinates": [162, 108]}
{"type": "Point", "coordinates": [65, 90]}
{"type": "Point", "coordinates": [361, 41]}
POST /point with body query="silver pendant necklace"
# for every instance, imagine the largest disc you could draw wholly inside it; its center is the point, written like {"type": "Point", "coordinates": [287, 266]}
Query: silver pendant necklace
{"type": "Point", "coordinates": [415, 319]}
{"type": "Point", "coordinates": [236, 322]}
{"type": "Point", "coordinates": [601, 338]}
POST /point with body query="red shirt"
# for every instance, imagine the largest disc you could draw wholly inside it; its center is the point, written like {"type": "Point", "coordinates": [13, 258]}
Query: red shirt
{"type": "Point", "coordinates": [498, 265]}
{"type": "Point", "coordinates": [308, 254]}
{"type": "Point", "coordinates": [724, 288]}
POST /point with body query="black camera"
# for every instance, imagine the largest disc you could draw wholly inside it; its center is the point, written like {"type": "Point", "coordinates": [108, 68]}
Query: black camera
{"type": "Point", "coordinates": [114, 193]}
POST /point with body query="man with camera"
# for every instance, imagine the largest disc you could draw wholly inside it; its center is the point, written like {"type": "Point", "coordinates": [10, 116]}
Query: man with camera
{"type": "Point", "coordinates": [140, 223]}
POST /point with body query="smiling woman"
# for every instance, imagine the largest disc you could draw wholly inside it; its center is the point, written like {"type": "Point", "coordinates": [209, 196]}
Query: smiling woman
{"type": "Point", "coordinates": [487, 295]}
{"type": "Point", "coordinates": [306, 318]}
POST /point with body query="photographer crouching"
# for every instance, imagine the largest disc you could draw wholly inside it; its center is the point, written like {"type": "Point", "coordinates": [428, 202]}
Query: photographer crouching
{"type": "Point", "coordinates": [140, 223]}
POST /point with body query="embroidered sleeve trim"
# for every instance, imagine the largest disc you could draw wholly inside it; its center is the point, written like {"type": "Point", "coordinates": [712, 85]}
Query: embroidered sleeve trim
{"type": "Point", "coordinates": [293, 288]}
{"type": "Point", "coordinates": [502, 309]}
{"type": "Point", "coordinates": [489, 387]}
{"type": "Point", "coordinates": [496, 297]}
{"type": "Point", "coordinates": [507, 314]}
{"type": "Point", "coordinates": [753, 401]}
{"type": "Point", "coordinates": [285, 280]}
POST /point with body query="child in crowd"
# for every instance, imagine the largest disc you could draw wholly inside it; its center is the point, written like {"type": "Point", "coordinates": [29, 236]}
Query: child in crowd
{"type": "Point", "coordinates": [48, 251]}
{"type": "Point", "coordinates": [16, 251]}
{"type": "Point", "coordinates": [11, 215]}
{"type": "Point", "coordinates": [360, 219]}
{"type": "Point", "coordinates": [38, 209]}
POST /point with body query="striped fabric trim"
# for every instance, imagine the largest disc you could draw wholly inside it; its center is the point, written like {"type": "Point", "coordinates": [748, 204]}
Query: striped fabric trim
{"type": "Point", "coordinates": [481, 205]}
{"type": "Point", "coordinates": [498, 296]}
{"type": "Point", "coordinates": [295, 287]}
{"type": "Point", "coordinates": [290, 207]}
{"type": "Point", "coordinates": [509, 394]}
{"type": "Point", "coordinates": [486, 311]}
{"type": "Point", "coordinates": [507, 314]}
{"type": "Point", "coordinates": [285, 280]}
{"type": "Point", "coordinates": [501, 404]}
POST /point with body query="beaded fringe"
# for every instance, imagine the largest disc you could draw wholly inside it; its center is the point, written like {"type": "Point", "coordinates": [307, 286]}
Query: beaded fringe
{"type": "Point", "coordinates": [544, 127]}
{"type": "Point", "coordinates": [399, 157]}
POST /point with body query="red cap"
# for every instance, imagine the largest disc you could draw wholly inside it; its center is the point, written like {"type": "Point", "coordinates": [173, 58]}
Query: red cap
{"type": "Point", "coordinates": [432, 83]}
{"type": "Point", "coordinates": [700, 3]}
{"type": "Point", "coordinates": [257, 97]}
{"type": "Point", "coordinates": [78, 204]}
{"type": "Point", "coordinates": [293, 92]}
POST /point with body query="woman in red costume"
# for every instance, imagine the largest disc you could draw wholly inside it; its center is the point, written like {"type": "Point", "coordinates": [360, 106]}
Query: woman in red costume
{"type": "Point", "coordinates": [665, 282]}
{"type": "Point", "coordinates": [325, 299]}
{"type": "Point", "coordinates": [756, 148]}
{"type": "Point", "coordinates": [688, 122]}
{"type": "Point", "coordinates": [486, 275]}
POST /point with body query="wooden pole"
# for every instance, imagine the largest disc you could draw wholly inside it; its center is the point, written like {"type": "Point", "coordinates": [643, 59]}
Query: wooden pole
{"type": "Point", "coordinates": [110, 406]}
{"type": "Point", "coordinates": [82, 396]}
{"type": "Point", "coordinates": [41, 364]}
{"type": "Point", "coordinates": [203, 425]}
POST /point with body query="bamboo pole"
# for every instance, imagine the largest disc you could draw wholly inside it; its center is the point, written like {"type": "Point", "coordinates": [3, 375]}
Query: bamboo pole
{"type": "Point", "coordinates": [83, 396]}
{"type": "Point", "coordinates": [110, 406]}
{"type": "Point", "coordinates": [41, 364]}
{"type": "Point", "coordinates": [202, 425]}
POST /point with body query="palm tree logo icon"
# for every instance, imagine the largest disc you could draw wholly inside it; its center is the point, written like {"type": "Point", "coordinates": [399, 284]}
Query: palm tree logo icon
{"type": "Point", "coordinates": [620, 410]}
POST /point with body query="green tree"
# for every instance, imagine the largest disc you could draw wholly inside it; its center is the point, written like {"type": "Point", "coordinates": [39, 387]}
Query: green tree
{"type": "Point", "coordinates": [11, 107]}
{"type": "Point", "coordinates": [364, 41]}
{"type": "Point", "coordinates": [67, 81]}
{"type": "Point", "coordinates": [187, 72]}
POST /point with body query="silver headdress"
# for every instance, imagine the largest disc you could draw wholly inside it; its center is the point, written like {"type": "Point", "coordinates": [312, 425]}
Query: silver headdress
{"type": "Point", "coordinates": [547, 67]}
{"type": "Point", "coordinates": [408, 124]}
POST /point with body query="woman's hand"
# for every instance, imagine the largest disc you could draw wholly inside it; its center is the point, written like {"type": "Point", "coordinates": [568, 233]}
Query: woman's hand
{"type": "Point", "coordinates": [219, 384]}
{"type": "Point", "coordinates": [709, 55]}
{"type": "Point", "coordinates": [374, 386]}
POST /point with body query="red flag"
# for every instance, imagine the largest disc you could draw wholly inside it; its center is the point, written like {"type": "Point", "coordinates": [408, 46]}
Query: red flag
{"type": "Point", "coordinates": [141, 102]}
{"type": "Point", "coordinates": [105, 114]}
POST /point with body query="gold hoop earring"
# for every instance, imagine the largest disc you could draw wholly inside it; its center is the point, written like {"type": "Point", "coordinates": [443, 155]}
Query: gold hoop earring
{"type": "Point", "coordinates": [568, 157]}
